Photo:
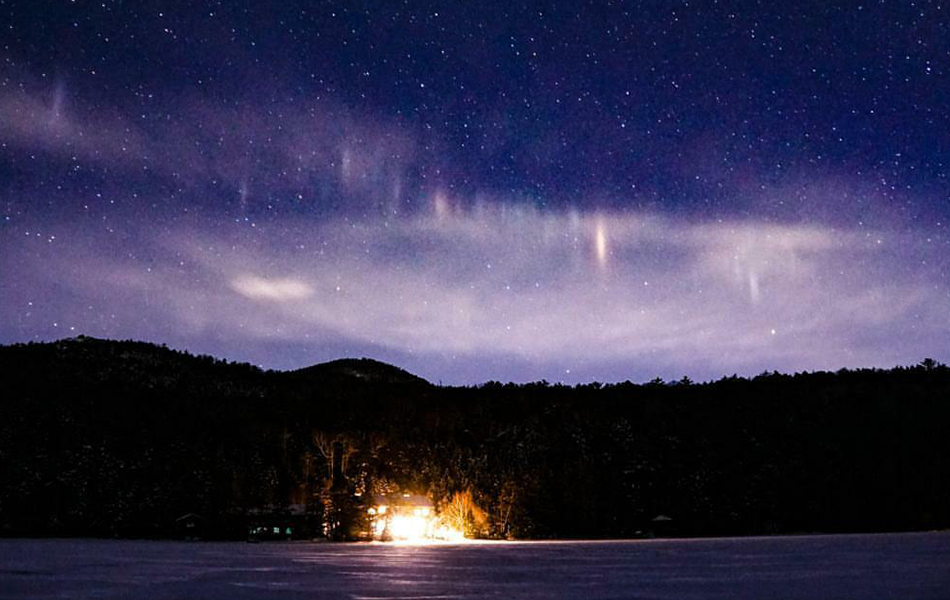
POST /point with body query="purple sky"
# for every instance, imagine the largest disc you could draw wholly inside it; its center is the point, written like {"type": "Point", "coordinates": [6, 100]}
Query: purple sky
{"type": "Point", "coordinates": [513, 223]}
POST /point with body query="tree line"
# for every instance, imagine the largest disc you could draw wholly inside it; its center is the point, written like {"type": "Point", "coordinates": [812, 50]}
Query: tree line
{"type": "Point", "coordinates": [108, 438]}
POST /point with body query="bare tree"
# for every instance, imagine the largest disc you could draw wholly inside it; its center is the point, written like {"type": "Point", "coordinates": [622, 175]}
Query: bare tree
{"type": "Point", "coordinates": [324, 443]}
{"type": "Point", "coordinates": [333, 446]}
{"type": "Point", "coordinates": [461, 513]}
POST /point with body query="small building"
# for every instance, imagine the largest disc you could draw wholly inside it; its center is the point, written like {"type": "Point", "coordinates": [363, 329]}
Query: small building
{"type": "Point", "coordinates": [272, 523]}
{"type": "Point", "coordinates": [189, 526]}
{"type": "Point", "coordinates": [662, 526]}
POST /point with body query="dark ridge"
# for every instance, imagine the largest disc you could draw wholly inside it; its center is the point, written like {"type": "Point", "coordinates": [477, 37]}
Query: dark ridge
{"type": "Point", "coordinates": [363, 369]}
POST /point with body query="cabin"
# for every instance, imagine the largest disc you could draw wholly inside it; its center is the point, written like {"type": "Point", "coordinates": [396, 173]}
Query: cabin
{"type": "Point", "coordinates": [662, 526]}
{"type": "Point", "coordinates": [272, 523]}
{"type": "Point", "coordinates": [189, 526]}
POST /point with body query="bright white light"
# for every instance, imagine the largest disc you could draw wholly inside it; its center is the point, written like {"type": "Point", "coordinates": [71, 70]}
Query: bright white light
{"type": "Point", "coordinates": [449, 534]}
{"type": "Point", "coordinates": [409, 528]}
{"type": "Point", "coordinates": [419, 526]}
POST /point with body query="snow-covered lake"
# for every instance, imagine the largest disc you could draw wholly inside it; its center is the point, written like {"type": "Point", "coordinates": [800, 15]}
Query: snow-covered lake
{"type": "Point", "coordinates": [903, 566]}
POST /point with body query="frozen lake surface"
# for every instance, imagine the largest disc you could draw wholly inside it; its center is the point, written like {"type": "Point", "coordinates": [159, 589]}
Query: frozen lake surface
{"type": "Point", "coordinates": [901, 566]}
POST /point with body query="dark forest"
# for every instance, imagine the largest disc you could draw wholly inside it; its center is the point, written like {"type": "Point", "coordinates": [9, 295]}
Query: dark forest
{"type": "Point", "coordinates": [121, 439]}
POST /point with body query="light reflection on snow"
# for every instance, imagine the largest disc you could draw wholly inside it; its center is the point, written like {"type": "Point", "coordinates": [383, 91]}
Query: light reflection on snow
{"type": "Point", "coordinates": [886, 566]}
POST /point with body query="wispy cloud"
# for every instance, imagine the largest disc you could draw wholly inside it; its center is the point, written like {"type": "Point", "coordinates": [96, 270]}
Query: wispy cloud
{"type": "Point", "coordinates": [309, 153]}
{"type": "Point", "coordinates": [565, 288]}
{"type": "Point", "coordinates": [479, 278]}
{"type": "Point", "coordinates": [51, 122]}
{"type": "Point", "coordinates": [275, 289]}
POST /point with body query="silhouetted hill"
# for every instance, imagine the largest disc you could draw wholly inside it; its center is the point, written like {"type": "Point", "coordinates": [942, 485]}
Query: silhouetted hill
{"type": "Point", "coordinates": [363, 369]}
{"type": "Point", "coordinates": [102, 437]}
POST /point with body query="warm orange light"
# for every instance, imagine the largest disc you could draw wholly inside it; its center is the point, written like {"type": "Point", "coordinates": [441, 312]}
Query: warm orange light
{"type": "Point", "coordinates": [448, 534]}
{"type": "Point", "coordinates": [411, 522]}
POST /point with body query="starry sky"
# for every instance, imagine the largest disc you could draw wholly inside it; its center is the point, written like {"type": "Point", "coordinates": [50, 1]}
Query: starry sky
{"type": "Point", "coordinates": [477, 191]}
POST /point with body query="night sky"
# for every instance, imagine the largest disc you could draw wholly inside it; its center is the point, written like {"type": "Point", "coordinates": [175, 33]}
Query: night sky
{"type": "Point", "coordinates": [476, 190]}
